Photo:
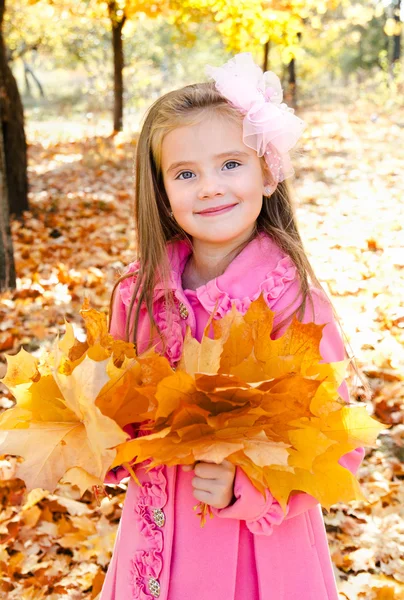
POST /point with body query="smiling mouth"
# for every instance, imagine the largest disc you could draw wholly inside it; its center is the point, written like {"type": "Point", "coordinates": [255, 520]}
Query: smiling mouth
{"type": "Point", "coordinates": [216, 210]}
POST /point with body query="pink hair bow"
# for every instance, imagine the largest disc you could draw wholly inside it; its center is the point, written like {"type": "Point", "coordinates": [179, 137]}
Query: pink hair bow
{"type": "Point", "coordinates": [269, 125]}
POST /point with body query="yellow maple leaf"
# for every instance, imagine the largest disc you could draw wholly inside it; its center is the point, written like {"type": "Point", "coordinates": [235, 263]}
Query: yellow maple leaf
{"type": "Point", "coordinates": [56, 426]}
{"type": "Point", "coordinates": [200, 357]}
{"type": "Point", "coordinates": [351, 425]}
{"type": "Point", "coordinates": [327, 481]}
{"type": "Point", "coordinates": [265, 452]}
{"type": "Point", "coordinates": [236, 338]}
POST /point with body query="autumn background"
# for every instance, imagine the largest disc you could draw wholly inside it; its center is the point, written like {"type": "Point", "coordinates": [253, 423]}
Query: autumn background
{"type": "Point", "coordinates": [83, 72]}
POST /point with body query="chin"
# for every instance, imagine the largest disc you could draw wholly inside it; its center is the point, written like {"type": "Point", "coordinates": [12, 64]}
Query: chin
{"type": "Point", "coordinates": [224, 238]}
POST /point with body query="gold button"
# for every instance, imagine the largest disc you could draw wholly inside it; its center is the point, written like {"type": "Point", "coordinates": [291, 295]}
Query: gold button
{"type": "Point", "coordinates": [159, 517]}
{"type": "Point", "coordinates": [183, 311]}
{"type": "Point", "coordinates": [154, 587]}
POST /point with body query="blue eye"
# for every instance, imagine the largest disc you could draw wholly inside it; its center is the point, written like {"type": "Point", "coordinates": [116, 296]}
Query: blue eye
{"type": "Point", "coordinates": [185, 173]}
{"type": "Point", "coordinates": [229, 166]}
{"type": "Point", "coordinates": [232, 162]}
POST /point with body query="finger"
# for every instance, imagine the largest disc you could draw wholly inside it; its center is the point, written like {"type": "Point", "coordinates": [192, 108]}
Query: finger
{"type": "Point", "coordinates": [207, 470]}
{"type": "Point", "coordinates": [228, 466]}
{"type": "Point", "coordinates": [206, 485]}
{"type": "Point", "coordinates": [203, 496]}
{"type": "Point", "coordinates": [200, 484]}
{"type": "Point", "coordinates": [187, 468]}
{"type": "Point", "coordinates": [224, 463]}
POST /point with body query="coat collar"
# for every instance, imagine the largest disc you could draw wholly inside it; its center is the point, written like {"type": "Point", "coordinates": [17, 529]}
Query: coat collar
{"type": "Point", "coordinates": [261, 264]}
{"type": "Point", "coordinates": [260, 267]}
{"type": "Point", "coordinates": [261, 252]}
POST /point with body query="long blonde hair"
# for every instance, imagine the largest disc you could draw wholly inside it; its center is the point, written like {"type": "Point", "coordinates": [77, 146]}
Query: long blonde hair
{"type": "Point", "coordinates": [154, 225]}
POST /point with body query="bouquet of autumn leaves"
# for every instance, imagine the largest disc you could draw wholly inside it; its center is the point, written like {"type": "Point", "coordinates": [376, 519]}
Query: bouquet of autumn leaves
{"type": "Point", "coordinates": [268, 406]}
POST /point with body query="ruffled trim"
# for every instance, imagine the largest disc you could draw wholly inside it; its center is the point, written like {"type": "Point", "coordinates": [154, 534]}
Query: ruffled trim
{"type": "Point", "coordinates": [271, 287]}
{"type": "Point", "coordinates": [261, 514]}
{"type": "Point", "coordinates": [171, 325]}
{"type": "Point", "coordinates": [172, 328]}
{"type": "Point", "coordinates": [285, 272]}
{"type": "Point", "coordinates": [265, 524]}
{"type": "Point", "coordinates": [178, 252]}
{"type": "Point", "coordinates": [148, 563]}
{"type": "Point", "coordinates": [127, 286]}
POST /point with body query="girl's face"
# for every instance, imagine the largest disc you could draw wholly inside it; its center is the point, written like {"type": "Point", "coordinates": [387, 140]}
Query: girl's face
{"type": "Point", "coordinates": [213, 181]}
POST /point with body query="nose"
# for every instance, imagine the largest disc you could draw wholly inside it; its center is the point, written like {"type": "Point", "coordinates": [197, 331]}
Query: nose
{"type": "Point", "coordinates": [210, 187]}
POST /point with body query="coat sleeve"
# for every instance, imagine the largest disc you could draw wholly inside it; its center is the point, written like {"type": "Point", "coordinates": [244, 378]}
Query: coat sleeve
{"type": "Point", "coordinates": [118, 320]}
{"type": "Point", "coordinates": [263, 514]}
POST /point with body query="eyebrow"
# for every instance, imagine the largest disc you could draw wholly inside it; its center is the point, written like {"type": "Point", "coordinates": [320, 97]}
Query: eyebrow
{"type": "Point", "coordinates": [182, 163]}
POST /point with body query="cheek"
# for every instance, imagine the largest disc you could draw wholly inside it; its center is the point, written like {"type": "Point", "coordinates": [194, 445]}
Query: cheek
{"type": "Point", "coordinates": [250, 186]}
{"type": "Point", "coordinates": [252, 194]}
{"type": "Point", "coordinates": [255, 202]}
{"type": "Point", "coordinates": [181, 205]}
{"type": "Point", "coordinates": [175, 196]}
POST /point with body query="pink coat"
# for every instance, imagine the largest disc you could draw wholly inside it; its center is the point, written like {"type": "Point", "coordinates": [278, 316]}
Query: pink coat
{"type": "Point", "coordinates": [160, 550]}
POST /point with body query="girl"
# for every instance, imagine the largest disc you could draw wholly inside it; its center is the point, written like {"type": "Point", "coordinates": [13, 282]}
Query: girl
{"type": "Point", "coordinates": [215, 227]}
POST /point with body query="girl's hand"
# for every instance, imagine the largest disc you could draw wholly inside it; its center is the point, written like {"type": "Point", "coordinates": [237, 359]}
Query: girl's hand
{"type": "Point", "coordinates": [213, 484]}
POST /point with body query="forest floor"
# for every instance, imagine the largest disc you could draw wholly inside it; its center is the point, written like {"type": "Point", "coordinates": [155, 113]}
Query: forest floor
{"type": "Point", "coordinates": [77, 238]}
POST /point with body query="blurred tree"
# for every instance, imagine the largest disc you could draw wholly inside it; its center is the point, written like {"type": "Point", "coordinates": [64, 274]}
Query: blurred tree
{"type": "Point", "coordinates": [253, 25]}
{"type": "Point", "coordinates": [265, 64]}
{"type": "Point", "coordinates": [244, 25]}
{"type": "Point", "coordinates": [42, 37]}
{"type": "Point", "coordinates": [7, 266]}
{"type": "Point", "coordinates": [350, 40]}
{"type": "Point", "coordinates": [364, 40]}
{"type": "Point", "coordinates": [118, 18]}
{"type": "Point", "coordinates": [393, 28]}
{"type": "Point", "coordinates": [12, 124]}
{"type": "Point", "coordinates": [153, 46]}
{"type": "Point", "coordinates": [302, 41]}
{"type": "Point", "coordinates": [118, 12]}
{"type": "Point", "coordinates": [79, 36]}
{"type": "Point", "coordinates": [29, 73]}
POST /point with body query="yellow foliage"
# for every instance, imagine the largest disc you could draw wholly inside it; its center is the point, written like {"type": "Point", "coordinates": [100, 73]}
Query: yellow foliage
{"type": "Point", "coordinates": [56, 425]}
{"type": "Point", "coordinates": [392, 27]}
{"type": "Point", "coordinates": [268, 406]}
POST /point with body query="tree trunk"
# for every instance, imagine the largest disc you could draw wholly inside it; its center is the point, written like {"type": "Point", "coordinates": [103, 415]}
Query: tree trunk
{"type": "Point", "coordinates": [266, 56]}
{"type": "Point", "coordinates": [292, 81]}
{"type": "Point", "coordinates": [397, 37]}
{"type": "Point", "coordinates": [27, 83]}
{"type": "Point", "coordinates": [117, 47]}
{"type": "Point", "coordinates": [28, 71]}
{"type": "Point", "coordinates": [7, 267]}
{"type": "Point", "coordinates": [12, 122]}
{"type": "Point", "coordinates": [292, 76]}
